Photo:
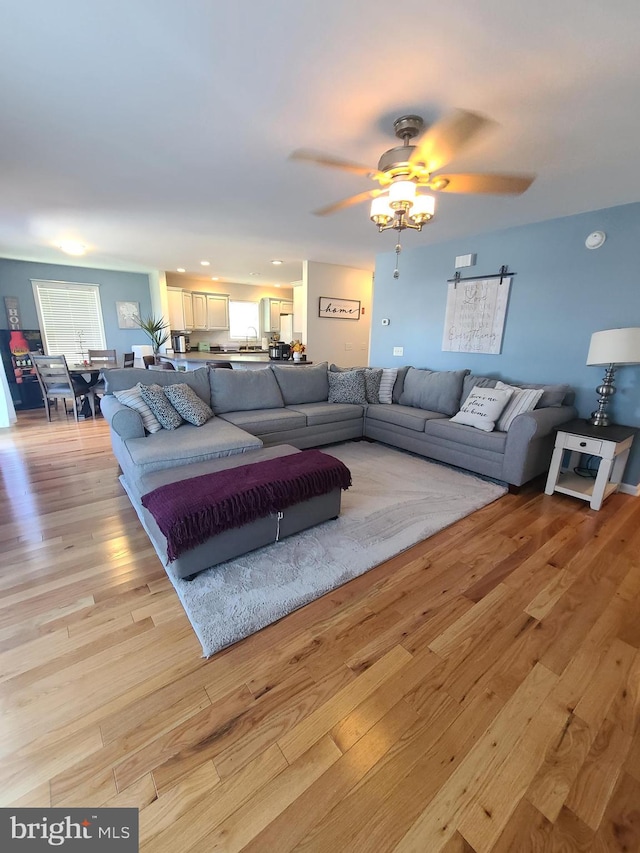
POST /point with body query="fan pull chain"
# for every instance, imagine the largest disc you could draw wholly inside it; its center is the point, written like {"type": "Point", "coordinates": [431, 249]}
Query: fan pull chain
{"type": "Point", "coordinates": [396, 272]}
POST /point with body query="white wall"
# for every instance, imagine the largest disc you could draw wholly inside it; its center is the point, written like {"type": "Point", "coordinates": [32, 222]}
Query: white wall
{"type": "Point", "coordinates": [345, 342]}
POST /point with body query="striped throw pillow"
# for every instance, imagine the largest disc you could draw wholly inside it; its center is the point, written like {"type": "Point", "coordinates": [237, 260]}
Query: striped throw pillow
{"type": "Point", "coordinates": [132, 398]}
{"type": "Point", "coordinates": [522, 400]}
{"type": "Point", "coordinates": [389, 374]}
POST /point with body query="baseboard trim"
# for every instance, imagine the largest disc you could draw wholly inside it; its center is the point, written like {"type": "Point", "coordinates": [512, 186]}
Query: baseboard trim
{"type": "Point", "coordinates": [628, 489]}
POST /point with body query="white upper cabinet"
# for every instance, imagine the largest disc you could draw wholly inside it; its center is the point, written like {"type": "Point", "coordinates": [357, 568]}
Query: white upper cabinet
{"type": "Point", "coordinates": [180, 310]}
{"type": "Point", "coordinates": [217, 311]}
{"type": "Point", "coordinates": [200, 322]}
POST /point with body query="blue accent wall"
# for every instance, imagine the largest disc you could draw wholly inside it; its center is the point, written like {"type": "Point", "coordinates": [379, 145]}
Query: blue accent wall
{"type": "Point", "coordinates": [15, 280]}
{"type": "Point", "coordinates": [562, 293]}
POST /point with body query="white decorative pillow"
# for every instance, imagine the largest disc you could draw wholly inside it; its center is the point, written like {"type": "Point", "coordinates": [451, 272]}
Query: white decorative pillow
{"type": "Point", "coordinates": [482, 408]}
{"type": "Point", "coordinates": [522, 400]}
{"type": "Point", "coordinates": [132, 398]}
{"type": "Point", "coordinates": [387, 382]}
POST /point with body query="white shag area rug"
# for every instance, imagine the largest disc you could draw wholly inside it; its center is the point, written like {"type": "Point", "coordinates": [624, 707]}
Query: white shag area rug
{"type": "Point", "coordinates": [396, 500]}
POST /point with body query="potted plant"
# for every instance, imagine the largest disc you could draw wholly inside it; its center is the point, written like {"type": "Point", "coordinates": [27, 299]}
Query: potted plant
{"type": "Point", "coordinates": [156, 329]}
{"type": "Point", "coordinates": [297, 348]}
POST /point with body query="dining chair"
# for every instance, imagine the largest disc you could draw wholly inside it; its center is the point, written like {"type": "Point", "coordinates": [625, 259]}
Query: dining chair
{"type": "Point", "coordinates": [148, 360]}
{"type": "Point", "coordinates": [129, 358]}
{"type": "Point", "coordinates": [57, 384]}
{"type": "Point", "coordinates": [101, 358]}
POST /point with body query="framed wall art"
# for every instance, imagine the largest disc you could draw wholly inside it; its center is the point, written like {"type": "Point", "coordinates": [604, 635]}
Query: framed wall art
{"type": "Point", "coordinates": [126, 312]}
{"type": "Point", "coordinates": [335, 308]}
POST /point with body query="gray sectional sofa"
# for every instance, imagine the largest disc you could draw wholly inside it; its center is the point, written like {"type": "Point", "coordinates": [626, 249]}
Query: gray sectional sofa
{"type": "Point", "coordinates": [290, 405]}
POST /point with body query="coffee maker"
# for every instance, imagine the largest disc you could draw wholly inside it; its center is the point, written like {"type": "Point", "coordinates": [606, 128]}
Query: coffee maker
{"type": "Point", "coordinates": [279, 351]}
{"type": "Point", "coordinates": [180, 342]}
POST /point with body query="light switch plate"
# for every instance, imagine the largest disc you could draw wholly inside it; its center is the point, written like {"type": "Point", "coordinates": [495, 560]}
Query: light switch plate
{"type": "Point", "coordinates": [398, 350]}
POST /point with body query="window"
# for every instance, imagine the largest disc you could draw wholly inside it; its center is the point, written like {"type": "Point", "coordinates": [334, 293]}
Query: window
{"type": "Point", "coordinates": [244, 320]}
{"type": "Point", "coordinates": [70, 318]}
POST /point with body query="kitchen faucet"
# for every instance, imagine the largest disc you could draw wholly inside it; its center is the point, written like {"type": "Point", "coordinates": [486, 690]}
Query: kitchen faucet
{"type": "Point", "coordinates": [255, 332]}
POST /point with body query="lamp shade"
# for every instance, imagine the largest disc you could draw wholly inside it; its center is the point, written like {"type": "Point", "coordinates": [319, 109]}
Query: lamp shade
{"type": "Point", "coordinates": [615, 346]}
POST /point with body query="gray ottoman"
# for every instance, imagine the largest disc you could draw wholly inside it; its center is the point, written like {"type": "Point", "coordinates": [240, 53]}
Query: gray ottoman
{"type": "Point", "coordinates": [231, 543]}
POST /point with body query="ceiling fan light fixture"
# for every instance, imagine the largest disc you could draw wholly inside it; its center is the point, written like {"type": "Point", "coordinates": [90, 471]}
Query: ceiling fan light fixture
{"type": "Point", "coordinates": [380, 213]}
{"type": "Point", "coordinates": [422, 210]}
{"type": "Point", "coordinates": [401, 195]}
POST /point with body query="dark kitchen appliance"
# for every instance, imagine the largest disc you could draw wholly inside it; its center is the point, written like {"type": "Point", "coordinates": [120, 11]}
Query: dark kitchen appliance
{"type": "Point", "coordinates": [279, 351]}
{"type": "Point", "coordinates": [15, 346]}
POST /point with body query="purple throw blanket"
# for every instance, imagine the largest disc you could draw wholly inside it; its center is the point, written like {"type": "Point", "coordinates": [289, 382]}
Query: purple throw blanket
{"type": "Point", "coordinates": [191, 511]}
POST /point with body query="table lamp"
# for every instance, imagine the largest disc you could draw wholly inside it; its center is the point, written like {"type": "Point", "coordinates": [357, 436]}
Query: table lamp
{"type": "Point", "coordinates": [611, 347]}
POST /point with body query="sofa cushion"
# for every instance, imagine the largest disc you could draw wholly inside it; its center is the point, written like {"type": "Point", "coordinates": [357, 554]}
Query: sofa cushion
{"type": "Point", "coordinates": [244, 390]}
{"type": "Point", "coordinates": [328, 413]}
{"type": "Point", "coordinates": [156, 399]}
{"type": "Point", "coordinates": [119, 378]}
{"type": "Point", "coordinates": [472, 381]}
{"type": "Point", "coordinates": [132, 398]}
{"type": "Point", "coordinates": [302, 384]}
{"type": "Point", "coordinates": [398, 386]}
{"type": "Point", "coordinates": [445, 430]}
{"type": "Point", "coordinates": [387, 381]}
{"type": "Point", "coordinates": [434, 390]}
{"type": "Point", "coordinates": [189, 444]}
{"type": "Point", "coordinates": [482, 408]}
{"type": "Point", "coordinates": [347, 387]}
{"type": "Point", "coordinates": [522, 400]}
{"type": "Point", "coordinates": [404, 416]}
{"type": "Point", "coordinates": [187, 403]}
{"type": "Point", "coordinates": [552, 395]}
{"type": "Point", "coordinates": [264, 421]}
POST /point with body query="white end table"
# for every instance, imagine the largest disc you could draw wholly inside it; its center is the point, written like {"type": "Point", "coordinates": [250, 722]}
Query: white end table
{"type": "Point", "coordinates": [611, 444]}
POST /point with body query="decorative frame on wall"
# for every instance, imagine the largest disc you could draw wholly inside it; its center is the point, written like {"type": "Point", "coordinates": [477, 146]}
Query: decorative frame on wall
{"type": "Point", "coordinates": [335, 308]}
{"type": "Point", "coordinates": [126, 311]}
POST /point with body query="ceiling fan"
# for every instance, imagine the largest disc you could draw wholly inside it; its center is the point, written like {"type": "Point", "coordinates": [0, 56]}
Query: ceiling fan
{"type": "Point", "coordinates": [411, 166]}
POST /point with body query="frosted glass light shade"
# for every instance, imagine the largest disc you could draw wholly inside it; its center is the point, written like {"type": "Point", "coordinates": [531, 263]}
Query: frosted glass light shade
{"type": "Point", "coordinates": [380, 212]}
{"type": "Point", "coordinates": [615, 346]}
{"type": "Point", "coordinates": [402, 192]}
{"type": "Point", "coordinates": [422, 209]}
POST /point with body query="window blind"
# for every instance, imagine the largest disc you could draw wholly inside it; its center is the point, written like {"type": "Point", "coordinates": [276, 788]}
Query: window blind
{"type": "Point", "coordinates": [70, 318]}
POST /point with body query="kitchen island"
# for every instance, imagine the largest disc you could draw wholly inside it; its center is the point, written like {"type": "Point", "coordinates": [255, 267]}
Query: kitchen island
{"type": "Point", "coordinates": [239, 360]}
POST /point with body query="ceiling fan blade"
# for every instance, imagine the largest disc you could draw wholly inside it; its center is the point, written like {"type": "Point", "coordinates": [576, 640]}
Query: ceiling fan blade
{"type": "Point", "coordinates": [348, 202]}
{"type": "Point", "coordinates": [335, 162]}
{"type": "Point", "coordinates": [490, 184]}
{"type": "Point", "coordinates": [443, 140]}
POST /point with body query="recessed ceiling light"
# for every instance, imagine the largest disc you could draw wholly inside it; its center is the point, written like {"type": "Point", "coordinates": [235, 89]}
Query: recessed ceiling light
{"type": "Point", "coordinates": [254, 273]}
{"type": "Point", "coordinates": [215, 278]}
{"type": "Point", "coordinates": [277, 285]}
{"type": "Point", "coordinates": [181, 269]}
{"type": "Point", "coordinates": [72, 247]}
{"type": "Point", "coordinates": [205, 263]}
{"type": "Point", "coordinates": [276, 263]}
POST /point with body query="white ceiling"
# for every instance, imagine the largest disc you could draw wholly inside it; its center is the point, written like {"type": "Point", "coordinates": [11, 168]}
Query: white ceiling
{"type": "Point", "coordinates": [157, 131]}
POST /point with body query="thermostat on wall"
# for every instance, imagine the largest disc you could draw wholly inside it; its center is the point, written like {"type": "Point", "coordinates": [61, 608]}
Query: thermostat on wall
{"type": "Point", "coordinates": [385, 322]}
{"type": "Point", "coordinates": [595, 240]}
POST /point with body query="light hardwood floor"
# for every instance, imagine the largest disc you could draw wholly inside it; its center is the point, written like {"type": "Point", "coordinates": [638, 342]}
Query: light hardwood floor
{"type": "Point", "coordinates": [480, 692]}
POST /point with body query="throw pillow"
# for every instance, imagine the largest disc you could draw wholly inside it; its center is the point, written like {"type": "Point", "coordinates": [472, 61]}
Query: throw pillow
{"type": "Point", "coordinates": [156, 399]}
{"type": "Point", "coordinates": [187, 403]}
{"type": "Point", "coordinates": [132, 398]}
{"type": "Point", "coordinates": [387, 381]}
{"type": "Point", "coordinates": [433, 390]}
{"type": "Point", "coordinates": [347, 387]}
{"type": "Point", "coordinates": [372, 377]}
{"type": "Point", "coordinates": [522, 400]}
{"type": "Point", "coordinates": [482, 408]}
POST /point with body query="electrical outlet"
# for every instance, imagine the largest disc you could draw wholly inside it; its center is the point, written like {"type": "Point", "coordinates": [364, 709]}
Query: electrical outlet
{"type": "Point", "coordinates": [348, 347]}
{"type": "Point", "coordinates": [363, 346]}
{"type": "Point", "coordinates": [398, 350]}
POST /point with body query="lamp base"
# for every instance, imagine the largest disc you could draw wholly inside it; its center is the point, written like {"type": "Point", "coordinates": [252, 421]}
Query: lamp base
{"type": "Point", "coordinates": [600, 417]}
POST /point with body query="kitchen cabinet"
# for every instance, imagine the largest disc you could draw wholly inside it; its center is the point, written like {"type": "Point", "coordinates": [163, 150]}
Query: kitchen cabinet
{"type": "Point", "coordinates": [180, 309]}
{"type": "Point", "coordinates": [217, 311]}
{"type": "Point", "coordinates": [271, 311]}
{"type": "Point", "coordinates": [200, 321]}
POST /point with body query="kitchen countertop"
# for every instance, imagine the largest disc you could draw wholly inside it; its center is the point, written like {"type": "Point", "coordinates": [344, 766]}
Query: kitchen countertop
{"type": "Point", "coordinates": [196, 357]}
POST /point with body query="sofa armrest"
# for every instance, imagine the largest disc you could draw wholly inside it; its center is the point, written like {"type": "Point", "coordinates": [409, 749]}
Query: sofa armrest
{"type": "Point", "coordinates": [124, 421]}
{"type": "Point", "coordinates": [538, 423]}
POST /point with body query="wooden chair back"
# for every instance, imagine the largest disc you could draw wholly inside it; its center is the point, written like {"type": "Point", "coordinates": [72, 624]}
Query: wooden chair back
{"type": "Point", "coordinates": [102, 358]}
{"type": "Point", "coordinates": [129, 359]}
{"type": "Point", "coordinates": [56, 383]}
